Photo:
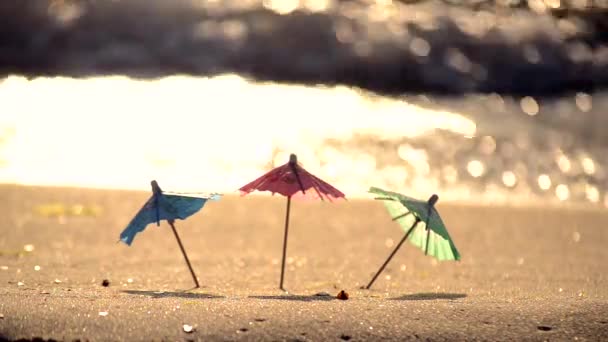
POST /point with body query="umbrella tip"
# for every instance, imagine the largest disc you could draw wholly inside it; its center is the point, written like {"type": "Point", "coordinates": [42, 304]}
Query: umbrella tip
{"type": "Point", "coordinates": [293, 159]}
{"type": "Point", "coordinates": [433, 199]}
{"type": "Point", "coordinates": [155, 187]}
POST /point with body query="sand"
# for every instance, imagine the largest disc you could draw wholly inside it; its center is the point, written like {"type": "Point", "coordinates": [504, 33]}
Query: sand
{"type": "Point", "coordinates": [535, 273]}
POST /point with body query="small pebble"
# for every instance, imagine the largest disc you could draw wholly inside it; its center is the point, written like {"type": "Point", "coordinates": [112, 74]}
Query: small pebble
{"type": "Point", "coordinates": [342, 295]}
{"type": "Point", "coordinates": [544, 328]}
{"type": "Point", "coordinates": [36, 268]}
{"type": "Point", "coordinates": [105, 283]}
{"type": "Point", "coordinates": [345, 337]}
{"type": "Point", "coordinates": [20, 283]}
{"type": "Point", "coordinates": [260, 319]}
{"type": "Point", "coordinates": [4, 268]}
{"type": "Point", "coordinates": [103, 313]}
{"type": "Point", "coordinates": [57, 281]}
{"type": "Point", "coordinates": [28, 248]}
{"type": "Point", "coordinates": [243, 330]}
{"type": "Point", "coordinates": [188, 328]}
{"type": "Point", "coordinates": [1, 316]}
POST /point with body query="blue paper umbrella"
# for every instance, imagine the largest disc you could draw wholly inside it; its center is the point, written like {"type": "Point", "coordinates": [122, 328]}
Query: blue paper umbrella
{"type": "Point", "coordinates": [169, 207]}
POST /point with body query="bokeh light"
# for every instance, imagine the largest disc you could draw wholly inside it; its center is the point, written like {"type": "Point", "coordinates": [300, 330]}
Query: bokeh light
{"type": "Point", "coordinates": [509, 178]}
{"type": "Point", "coordinates": [562, 192]}
{"type": "Point", "coordinates": [476, 168]}
{"type": "Point", "coordinates": [544, 182]}
{"type": "Point", "coordinates": [281, 6]}
{"type": "Point", "coordinates": [529, 105]}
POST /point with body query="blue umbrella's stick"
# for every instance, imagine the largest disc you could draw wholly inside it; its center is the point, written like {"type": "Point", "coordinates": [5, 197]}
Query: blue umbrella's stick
{"type": "Point", "coordinates": [179, 242]}
{"type": "Point", "coordinates": [285, 242]}
{"type": "Point", "coordinates": [157, 210]}
{"type": "Point", "coordinates": [156, 192]}
{"type": "Point", "coordinates": [393, 253]}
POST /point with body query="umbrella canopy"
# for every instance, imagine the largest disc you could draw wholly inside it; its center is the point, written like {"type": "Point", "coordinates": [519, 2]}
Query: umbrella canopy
{"type": "Point", "coordinates": [165, 207]}
{"type": "Point", "coordinates": [422, 226]}
{"type": "Point", "coordinates": [161, 206]}
{"type": "Point", "coordinates": [291, 180]}
{"type": "Point", "coordinates": [430, 234]}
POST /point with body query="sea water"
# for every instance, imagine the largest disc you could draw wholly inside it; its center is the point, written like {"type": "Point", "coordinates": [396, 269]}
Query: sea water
{"type": "Point", "coordinates": [218, 133]}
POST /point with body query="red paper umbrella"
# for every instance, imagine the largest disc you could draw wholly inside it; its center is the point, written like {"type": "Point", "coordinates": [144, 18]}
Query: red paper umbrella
{"type": "Point", "coordinates": [290, 180]}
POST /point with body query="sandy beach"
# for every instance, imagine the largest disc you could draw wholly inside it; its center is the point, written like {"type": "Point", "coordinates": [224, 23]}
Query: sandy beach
{"type": "Point", "coordinates": [533, 273]}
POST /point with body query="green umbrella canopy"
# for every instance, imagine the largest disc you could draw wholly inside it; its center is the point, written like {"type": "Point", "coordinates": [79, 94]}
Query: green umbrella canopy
{"type": "Point", "coordinates": [405, 210]}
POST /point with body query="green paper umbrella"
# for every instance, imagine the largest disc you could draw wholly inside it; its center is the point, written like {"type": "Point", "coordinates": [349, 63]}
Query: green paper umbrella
{"type": "Point", "coordinates": [421, 223]}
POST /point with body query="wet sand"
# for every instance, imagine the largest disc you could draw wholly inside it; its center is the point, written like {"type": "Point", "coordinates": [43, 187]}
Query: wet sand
{"type": "Point", "coordinates": [534, 273]}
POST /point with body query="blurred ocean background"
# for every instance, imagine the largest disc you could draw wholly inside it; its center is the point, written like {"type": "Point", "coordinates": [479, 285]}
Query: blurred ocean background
{"type": "Point", "coordinates": [492, 102]}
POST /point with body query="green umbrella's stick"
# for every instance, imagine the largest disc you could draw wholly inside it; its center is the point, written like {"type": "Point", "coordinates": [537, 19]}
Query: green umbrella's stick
{"type": "Point", "coordinates": [179, 242]}
{"type": "Point", "coordinates": [401, 216]}
{"type": "Point", "coordinates": [428, 236]}
{"type": "Point", "coordinates": [432, 200]}
{"type": "Point", "coordinates": [285, 242]}
{"type": "Point", "coordinates": [393, 253]}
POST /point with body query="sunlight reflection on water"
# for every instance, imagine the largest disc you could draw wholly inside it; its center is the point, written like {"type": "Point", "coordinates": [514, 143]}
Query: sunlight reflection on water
{"type": "Point", "coordinates": [208, 134]}
{"type": "Point", "coordinates": [216, 134]}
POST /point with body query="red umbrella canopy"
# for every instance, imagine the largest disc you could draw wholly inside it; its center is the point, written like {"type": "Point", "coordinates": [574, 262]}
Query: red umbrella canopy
{"type": "Point", "coordinates": [291, 179]}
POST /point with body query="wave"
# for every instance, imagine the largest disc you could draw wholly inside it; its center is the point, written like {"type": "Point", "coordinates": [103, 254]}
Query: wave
{"type": "Point", "coordinates": [390, 47]}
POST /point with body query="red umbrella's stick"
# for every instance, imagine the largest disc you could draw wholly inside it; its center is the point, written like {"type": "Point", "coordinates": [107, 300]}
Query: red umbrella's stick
{"type": "Point", "coordinates": [179, 242]}
{"type": "Point", "coordinates": [393, 253]}
{"type": "Point", "coordinates": [285, 242]}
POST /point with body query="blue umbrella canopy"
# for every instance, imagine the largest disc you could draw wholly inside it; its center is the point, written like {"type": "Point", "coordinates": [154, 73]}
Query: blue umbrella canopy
{"type": "Point", "coordinates": [163, 206]}
{"type": "Point", "coordinates": [167, 207]}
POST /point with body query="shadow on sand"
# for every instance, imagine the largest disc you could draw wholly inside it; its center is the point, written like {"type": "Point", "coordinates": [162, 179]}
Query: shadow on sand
{"type": "Point", "coordinates": [33, 339]}
{"type": "Point", "coordinates": [297, 298]}
{"type": "Point", "coordinates": [430, 296]}
{"type": "Point", "coordinates": [163, 294]}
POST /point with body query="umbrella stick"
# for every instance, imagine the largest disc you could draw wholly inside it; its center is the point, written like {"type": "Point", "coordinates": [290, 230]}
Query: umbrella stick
{"type": "Point", "coordinates": [179, 242]}
{"type": "Point", "coordinates": [428, 230]}
{"type": "Point", "coordinates": [428, 237]}
{"type": "Point", "coordinates": [401, 216]}
{"type": "Point", "coordinates": [392, 254]}
{"type": "Point", "coordinates": [431, 202]}
{"type": "Point", "coordinates": [285, 242]}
